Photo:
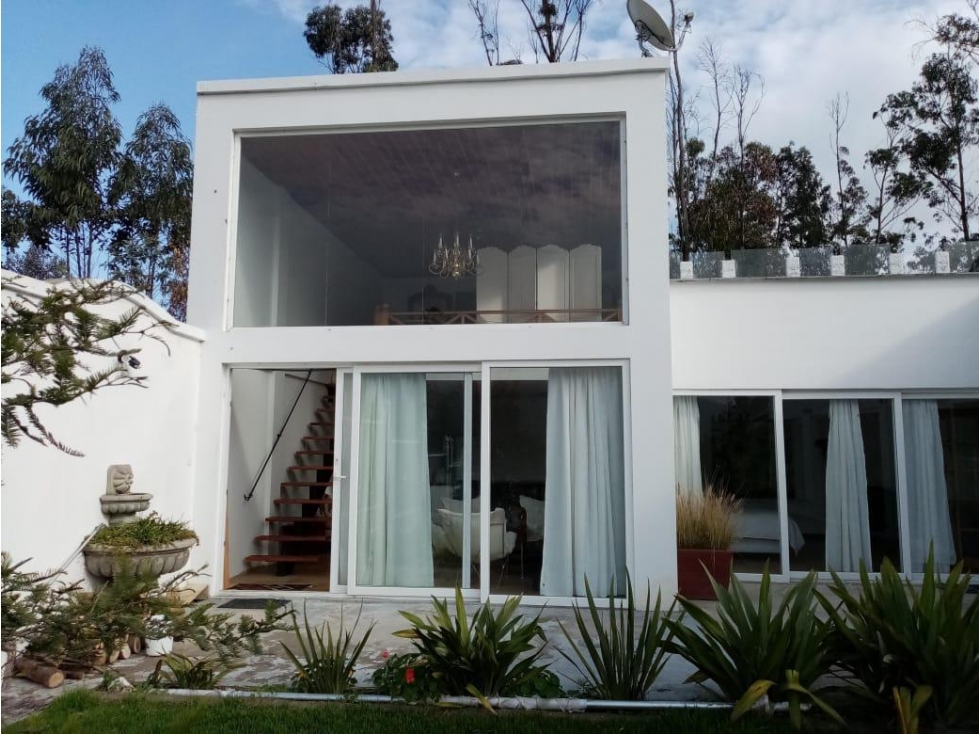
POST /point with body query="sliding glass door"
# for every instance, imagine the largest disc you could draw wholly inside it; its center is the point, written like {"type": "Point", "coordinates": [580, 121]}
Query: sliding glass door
{"type": "Point", "coordinates": [413, 524]}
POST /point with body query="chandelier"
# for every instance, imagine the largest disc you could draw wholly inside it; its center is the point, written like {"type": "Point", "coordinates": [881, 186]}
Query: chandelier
{"type": "Point", "coordinates": [454, 262]}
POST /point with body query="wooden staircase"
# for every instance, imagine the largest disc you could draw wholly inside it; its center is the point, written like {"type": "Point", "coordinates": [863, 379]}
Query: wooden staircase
{"type": "Point", "coordinates": [304, 537]}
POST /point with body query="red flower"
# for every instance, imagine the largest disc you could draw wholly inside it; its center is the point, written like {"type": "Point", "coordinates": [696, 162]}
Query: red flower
{"type": "Point", "coordinates": [409, 675]}
{"type": "Point", "coordinates": [385, 655]}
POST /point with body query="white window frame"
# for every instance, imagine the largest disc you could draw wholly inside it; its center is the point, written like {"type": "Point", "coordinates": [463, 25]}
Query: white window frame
{"type": "Point", "coordinates": [353, 588]}
{"type": "Point", "coordinates": [231, 261]}
{"type": "Point", "coordinates": [780, 478]}
{"type": "Point", "coordinates": [484, 468]}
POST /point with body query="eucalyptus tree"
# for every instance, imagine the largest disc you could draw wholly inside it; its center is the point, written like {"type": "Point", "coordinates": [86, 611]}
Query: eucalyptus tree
{"type": "Point", "coordinates": [354, 40]}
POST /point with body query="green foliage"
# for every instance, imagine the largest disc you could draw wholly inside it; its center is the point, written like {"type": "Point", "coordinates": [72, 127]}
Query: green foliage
{"type": "Point", "coordinates": [89, 197]}
{"type": "Point", "coordinates": [57, 349]}
{"type": "Point", "coordinates": [327, 665]}
{"type": "Point", "coordinates": [145, 531]}
{"type": "Point", "coordinates": [409, 678]}
{"type": "Point", "coordinates": [189, 674]}
{"type": "Point", "coordinates": [354, 40]}
{"type": "Point", "coordinates": [909, 707]}
{"type": "Point", "coordinates": [894, 635]}
{"type": "Point", "coordinates": [488, 655]}
{"type": "Point", "coordinates": [752, 651]}
{"type": "Point", "coordinates": [61, 624]}
{"type": "Point", "coordinates": [624, 664]}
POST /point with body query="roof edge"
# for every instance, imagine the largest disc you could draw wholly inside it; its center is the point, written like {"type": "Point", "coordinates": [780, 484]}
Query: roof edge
{"type": "Point", "coordinates": [414, 77]}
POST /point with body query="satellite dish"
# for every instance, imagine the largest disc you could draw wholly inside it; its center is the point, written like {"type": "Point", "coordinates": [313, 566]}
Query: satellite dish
{"type": "Point", "coordinates": [652, 29]}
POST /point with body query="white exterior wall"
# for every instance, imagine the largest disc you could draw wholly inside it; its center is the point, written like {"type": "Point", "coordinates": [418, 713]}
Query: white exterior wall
{"type": "Point", "coordinates": [633, 91]}
{"type": "Point", "coordinates": [893, 333]}
{"type": "Point", "coordinates": [51, 500]}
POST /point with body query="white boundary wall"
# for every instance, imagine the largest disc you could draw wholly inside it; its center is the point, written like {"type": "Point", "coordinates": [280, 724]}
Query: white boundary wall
{"type": "Point", "coordinates": [50, 500]}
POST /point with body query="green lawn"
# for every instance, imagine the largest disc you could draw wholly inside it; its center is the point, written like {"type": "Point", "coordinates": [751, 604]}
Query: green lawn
{"type": "Point", "coordinates": [86, 712]}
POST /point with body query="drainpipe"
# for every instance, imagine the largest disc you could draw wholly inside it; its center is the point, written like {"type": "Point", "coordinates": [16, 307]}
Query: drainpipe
{"type": "Point", "coordinates": [568, 705]}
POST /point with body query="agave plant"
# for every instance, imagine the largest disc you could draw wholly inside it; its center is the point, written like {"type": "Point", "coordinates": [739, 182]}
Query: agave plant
{"type": "Point", "coordinates": [490, 654]}
{"type": "Point", "coordinates": [892, 635]}
{"type": "Point", "coordinates": [327, 664]}
{"type": "Point", "coordinates": [190, 674]}
{"type": "Point", "coordinates": [751, 652]}
{"type": "Point", "coordinates": [614, 661]}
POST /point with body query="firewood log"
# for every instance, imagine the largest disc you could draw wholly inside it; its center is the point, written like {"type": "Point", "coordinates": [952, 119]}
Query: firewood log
{"type": "Point", "coordinates": [46, 675]}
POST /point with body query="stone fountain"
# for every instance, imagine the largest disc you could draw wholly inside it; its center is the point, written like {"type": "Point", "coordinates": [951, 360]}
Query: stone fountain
{"type": "Point", "coordinates": [120, 504]}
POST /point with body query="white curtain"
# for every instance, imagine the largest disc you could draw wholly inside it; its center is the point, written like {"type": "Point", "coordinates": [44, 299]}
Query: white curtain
{"type": "Point", "coordinates": [927, 491]}
{"type": "Point", "coordinates": [584, 500]}
{"type": "Point", "coordinates": [686, 445]}
{"type": "Point", "coordinates": [847, 517]}
{"type": "Point", "coordinates": [394, 526]}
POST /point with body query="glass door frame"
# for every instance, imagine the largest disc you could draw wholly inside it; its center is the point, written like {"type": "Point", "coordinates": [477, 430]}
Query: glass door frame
{"type": "Point", "coordinates": [897, 432]}
{"type": "Point", "coordinates": [484, 469]}
{"type": "Point", "coordinates": [467, 370]}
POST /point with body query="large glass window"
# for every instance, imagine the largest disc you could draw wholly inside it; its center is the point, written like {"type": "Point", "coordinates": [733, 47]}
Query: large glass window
{"type": "Point", "coordinates": [557, 480]}
{"type": "Point", "coordinates": [841, 484]}
{"type": "Point", "coordinates": [941, 449]}
{"type": "Point", "coordinates": [417, 521]}
{"type": "Point", "coordinates": [728, 442]}
{"type": "Point", "coordinates": [515, 223]}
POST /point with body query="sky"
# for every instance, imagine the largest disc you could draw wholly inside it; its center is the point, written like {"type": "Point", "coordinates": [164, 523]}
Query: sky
{"type": "Point", "coordinates": [806, 51]}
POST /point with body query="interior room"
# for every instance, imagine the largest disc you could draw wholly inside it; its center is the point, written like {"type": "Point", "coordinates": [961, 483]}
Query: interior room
{"type": "Point", "coordinates": [510, 223]}
{"type": "Point", "coordinates": [841, 483]}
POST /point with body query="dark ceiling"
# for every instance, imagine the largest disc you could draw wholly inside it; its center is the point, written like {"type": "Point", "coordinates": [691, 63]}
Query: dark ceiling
{"type": "Point", "coordinates": [389, 195]}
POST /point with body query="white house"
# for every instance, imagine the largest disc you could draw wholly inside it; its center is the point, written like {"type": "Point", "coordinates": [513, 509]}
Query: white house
{"type": "Point", "coordinates": [383, 411]}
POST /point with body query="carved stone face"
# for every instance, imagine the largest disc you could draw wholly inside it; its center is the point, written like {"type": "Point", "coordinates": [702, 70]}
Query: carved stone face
{"type": "Point", "coordinates": [120, 479]}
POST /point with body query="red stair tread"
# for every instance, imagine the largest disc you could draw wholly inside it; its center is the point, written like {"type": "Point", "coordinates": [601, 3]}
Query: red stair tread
{"type": "Point", "coordinates": [313, 452]}
{"type": "Point", "coordinates": [300, 501]}
{"type": "Point", "coordinates": [300, 483]}
{"type": "Point", "coordinates": [310, 467]}
{"type": "Point", "coordinates": [263, 558]}
{"type": "Point", "coordinates": [281, 519]}
{"type": "Point", "coordinates": [292, 538]}
{"type": "Point", "coordinates": [317, 438]}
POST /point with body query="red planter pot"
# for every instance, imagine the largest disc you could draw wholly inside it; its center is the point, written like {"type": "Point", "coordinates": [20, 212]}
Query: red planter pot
{"type": "Point", "coordinates": [693, 581]}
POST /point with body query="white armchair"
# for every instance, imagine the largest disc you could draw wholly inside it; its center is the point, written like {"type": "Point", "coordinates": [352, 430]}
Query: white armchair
{"type": "Point", "coordinates": [502, 541]}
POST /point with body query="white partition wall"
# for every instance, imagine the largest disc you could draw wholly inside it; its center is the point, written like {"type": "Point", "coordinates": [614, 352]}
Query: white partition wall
{"type": "Point", "coordinates": [586, 282]}
{"type": "Point", "coordinates": [553, 283]}
{"type": "Point", "coordinates": [522, 280]}
{"type": "Point", "coordinates": [491, 284]}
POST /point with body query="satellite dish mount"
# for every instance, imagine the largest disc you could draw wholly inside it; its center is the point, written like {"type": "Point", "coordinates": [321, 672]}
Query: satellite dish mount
{"type": "Point", "coordinates": [652, 30]}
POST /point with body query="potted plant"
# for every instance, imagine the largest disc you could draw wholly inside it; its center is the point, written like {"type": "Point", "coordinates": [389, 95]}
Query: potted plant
{"type": "Point", "coordinates": [706, 524]}
{"type": "Point", "coordinates": [149, 545]}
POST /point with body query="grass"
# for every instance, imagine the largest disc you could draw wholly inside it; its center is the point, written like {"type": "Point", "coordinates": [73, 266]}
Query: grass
{"type": "Point", "coordinates": [146, 531]}
{"type": "Point", "coordinates": [86, 712]}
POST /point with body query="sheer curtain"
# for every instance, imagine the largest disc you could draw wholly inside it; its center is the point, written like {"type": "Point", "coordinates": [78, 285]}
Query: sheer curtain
{"type": "Point", "coordinates": [927, 491]}
{"type": "Point", "coordinates": [686, 444]}
{"type": "Point", "coordinates": [584, 507]}
{"type": "Point", "coordinates": [394, 528]}
{"type": "Point", "coordinates": [847, 516]}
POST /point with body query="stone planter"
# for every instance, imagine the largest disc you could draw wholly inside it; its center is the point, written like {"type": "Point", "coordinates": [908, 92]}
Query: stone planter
{"type": "Point", "coordinates": [942, 262]}
{"type": "Point", "coordinates": [692, 580]}
{"type": "Point", "coordinates": [106, 561]}
{"type": "Point", "coordinates": [686, 270]}
{"type": "Point", "coordinates": [729, 269]}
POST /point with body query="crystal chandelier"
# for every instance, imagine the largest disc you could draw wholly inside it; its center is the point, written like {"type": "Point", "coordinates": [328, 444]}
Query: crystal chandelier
{"type": "Point", "coordinates": [454, 262]}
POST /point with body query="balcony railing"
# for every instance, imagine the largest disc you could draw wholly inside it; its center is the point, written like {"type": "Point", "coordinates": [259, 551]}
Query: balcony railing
{"type": "Point", "coordinates": [383, 316]}
{"type": "Point", "coordinates": [816, 262]}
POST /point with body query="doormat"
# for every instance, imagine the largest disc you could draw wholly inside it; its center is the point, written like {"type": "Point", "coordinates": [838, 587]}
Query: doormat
{"type": "Point", "coordinates": [252, 603]}
{"type": "Point", "coordinates": [270, 587]}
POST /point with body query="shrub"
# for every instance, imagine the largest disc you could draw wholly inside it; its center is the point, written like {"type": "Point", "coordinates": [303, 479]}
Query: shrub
{"type": "Point", "coordinates": [327, 665]}
{"type": "Point", "coordinates": [893, 635]}
{"type": "Point", "coordinates": [146, 531]}
{"type": "Point", "coordinates": [749, 652]}
{"type": "Point", "coordinates": [407, 677]}
{"type": "Point", "coordinates": [621, 666]}
{"type": "Point", "coordinates": [707, 520]}
{"type": "Point", "coordinates": [488, 655]}
{"type": "Point", "coordinates": [187, 673]}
